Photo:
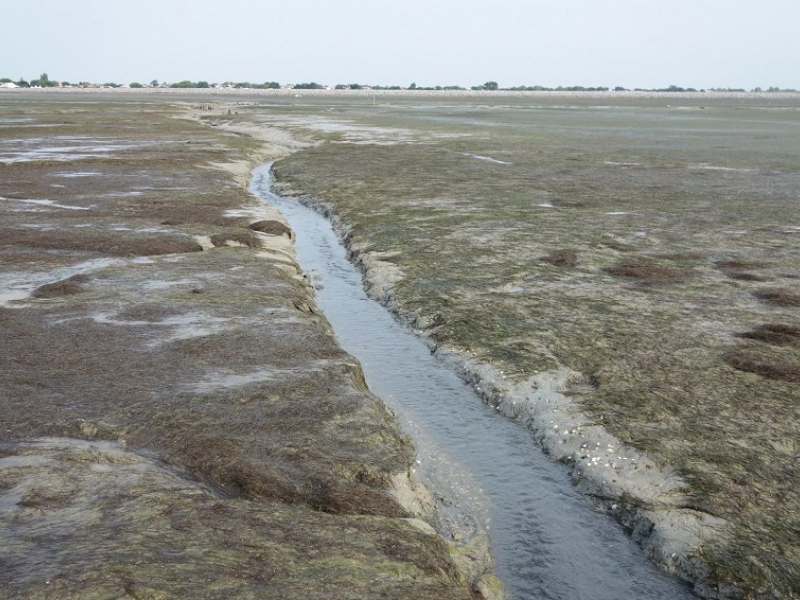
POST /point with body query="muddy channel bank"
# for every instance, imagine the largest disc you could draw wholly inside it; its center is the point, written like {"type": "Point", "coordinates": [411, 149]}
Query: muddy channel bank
{"type": "Point", "coordinates": [647, 497]}
{"type": "Point", "coordinates": [177, 418]}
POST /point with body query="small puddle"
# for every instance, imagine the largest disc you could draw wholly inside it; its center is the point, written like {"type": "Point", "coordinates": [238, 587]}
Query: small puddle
{"type": "Point", "coordinates": [548, 541]}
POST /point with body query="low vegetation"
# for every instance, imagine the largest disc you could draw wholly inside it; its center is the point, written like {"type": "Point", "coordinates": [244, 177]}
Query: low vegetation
{"type": "Point", "coordinates": [538, 236]}
{"type": "Point", "coordinates": [44, 81]}
{"type": "Point", "coordinates": [179, 422]}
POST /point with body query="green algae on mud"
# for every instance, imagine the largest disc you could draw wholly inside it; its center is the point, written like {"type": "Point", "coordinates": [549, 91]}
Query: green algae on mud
{"type": "Point", "coordinates": [178, 421]}
{"type": "Point", "coordinates": [681, 220]}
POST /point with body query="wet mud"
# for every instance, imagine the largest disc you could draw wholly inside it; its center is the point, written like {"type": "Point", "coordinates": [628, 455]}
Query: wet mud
{"type": "Point", "coordinates": [177, 418]}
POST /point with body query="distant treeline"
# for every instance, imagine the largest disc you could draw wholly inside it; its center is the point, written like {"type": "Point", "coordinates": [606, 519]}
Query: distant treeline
{"type": "Point", "coordinates": [44, 81]}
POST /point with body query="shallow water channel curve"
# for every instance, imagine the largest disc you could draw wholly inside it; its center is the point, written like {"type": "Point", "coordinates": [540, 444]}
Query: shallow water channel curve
{"type": "Point", "coordinates": [548, 541]}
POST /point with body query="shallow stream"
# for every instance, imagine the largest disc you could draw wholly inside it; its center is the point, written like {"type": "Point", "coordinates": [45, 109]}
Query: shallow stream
{"type": "Point", "coordinates": [548, 541]}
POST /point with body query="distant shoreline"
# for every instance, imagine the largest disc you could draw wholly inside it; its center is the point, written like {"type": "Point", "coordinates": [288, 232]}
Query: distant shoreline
{"type": "Point", "coordinates": [214, 92]}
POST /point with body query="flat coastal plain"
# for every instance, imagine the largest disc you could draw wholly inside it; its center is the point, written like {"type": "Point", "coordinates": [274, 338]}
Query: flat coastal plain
{"type": "Point", "coordinates": [176, 417]}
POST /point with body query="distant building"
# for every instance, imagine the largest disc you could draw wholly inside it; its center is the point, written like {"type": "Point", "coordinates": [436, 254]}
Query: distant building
{"type": "Point", "coordinates": [9, 84]}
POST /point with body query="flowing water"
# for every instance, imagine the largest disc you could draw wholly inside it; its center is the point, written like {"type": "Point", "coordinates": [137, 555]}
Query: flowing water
{"type": "Point", "coordinates": [548, 541]}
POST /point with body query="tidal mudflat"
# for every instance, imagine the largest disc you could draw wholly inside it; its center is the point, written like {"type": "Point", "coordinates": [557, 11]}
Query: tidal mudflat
{"type": "Point", "coordinates": [546, 539]}
{"type": "Point", "coordinates": [177, 420]}
{"type": "Point", "coordinates": [619, 273]}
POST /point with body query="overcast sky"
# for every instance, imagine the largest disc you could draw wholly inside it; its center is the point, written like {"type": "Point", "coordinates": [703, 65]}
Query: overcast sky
{"type": "Point", "coordinates": [631, 43]}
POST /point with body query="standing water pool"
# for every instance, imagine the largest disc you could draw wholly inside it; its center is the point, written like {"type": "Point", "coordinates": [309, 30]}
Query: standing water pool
{"type": "Point", "coordinates": [547, 540]}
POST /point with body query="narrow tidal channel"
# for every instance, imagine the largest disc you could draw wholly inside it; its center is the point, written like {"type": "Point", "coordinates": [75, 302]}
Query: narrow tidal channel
{"type": "Point", "coordinates": [548, 541]}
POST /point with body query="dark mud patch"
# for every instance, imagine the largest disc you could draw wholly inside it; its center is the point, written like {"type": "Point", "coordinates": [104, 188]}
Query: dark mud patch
{"type": "Point", "coordinates": [778, 296]}
{"type": "Point", "coordinates": [562, 258]}
{"type": "Point", "coordinates": [100, 242]}
{"type": "Point", "coordinates": [777, 334]}
{"type": "Point", "coordinates": [779, 366]}
{"type": "Point", "coordinates": [66, 287]}
{"type": "Point", "coordinates": [648, 272]}
{"type": "Point", "coordinates": [746, 276]}
{"type": "Point", "coordinates": [741, 265]}
{"type": "Point", "coordinates": [743, 270]}
{"type": "Point", "coordinates": [272, 228]}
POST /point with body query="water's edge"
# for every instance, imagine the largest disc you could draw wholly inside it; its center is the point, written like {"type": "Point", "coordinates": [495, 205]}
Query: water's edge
{"type": "Point", "coordinates": [647, 501]}
{"type": "Point", "coordinates": [463, 532]}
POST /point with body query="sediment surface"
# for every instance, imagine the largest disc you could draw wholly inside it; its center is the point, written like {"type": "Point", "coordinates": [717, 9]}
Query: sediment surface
{"type": "Point", "coordinates": [177, 418]}
{"type": "Point", "coordinates": [618, 272]}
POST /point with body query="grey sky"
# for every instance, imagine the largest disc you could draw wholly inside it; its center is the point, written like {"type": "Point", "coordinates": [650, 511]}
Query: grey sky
{"type": "Point", "coordinates": [632, 43]}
